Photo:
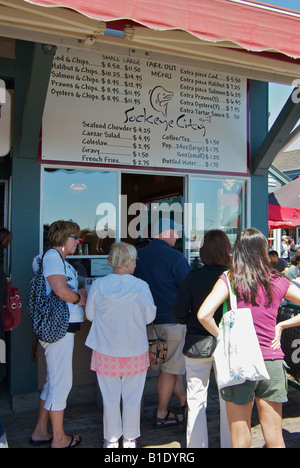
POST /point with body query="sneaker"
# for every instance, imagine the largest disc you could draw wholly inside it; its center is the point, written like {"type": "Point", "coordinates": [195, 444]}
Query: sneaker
{"type": "Point", "coordinates": [129, 443]}
{"type": "Point", "coordinates": [108, 444]}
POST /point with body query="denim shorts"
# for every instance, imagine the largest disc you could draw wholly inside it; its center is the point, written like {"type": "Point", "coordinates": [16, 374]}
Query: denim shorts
{"type": "Point", "coordinates": [273, 390]}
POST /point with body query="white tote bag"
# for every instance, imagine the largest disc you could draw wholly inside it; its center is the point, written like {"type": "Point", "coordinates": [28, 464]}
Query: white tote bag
{"type": "Point", "coordinates": [238, 356]}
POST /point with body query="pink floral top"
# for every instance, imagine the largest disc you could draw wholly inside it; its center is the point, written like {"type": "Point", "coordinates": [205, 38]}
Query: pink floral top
{"type": "Point", "coordinates": [119, 366]}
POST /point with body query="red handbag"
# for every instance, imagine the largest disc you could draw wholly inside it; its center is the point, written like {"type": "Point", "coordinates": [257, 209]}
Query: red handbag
{"type": "Point", "coordinates": [11, 310]}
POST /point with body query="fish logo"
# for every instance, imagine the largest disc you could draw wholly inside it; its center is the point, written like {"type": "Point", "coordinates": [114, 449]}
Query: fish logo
{"type": "Point", "coordinates": [159, 99]}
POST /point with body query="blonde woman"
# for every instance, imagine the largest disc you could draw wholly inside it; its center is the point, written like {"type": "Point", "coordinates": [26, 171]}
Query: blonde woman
{"type": "Point", "coordinates": [119, 307]}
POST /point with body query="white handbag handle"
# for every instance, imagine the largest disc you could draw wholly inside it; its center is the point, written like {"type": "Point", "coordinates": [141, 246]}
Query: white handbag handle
{"type": "Point", "coordinates": [232, 296]}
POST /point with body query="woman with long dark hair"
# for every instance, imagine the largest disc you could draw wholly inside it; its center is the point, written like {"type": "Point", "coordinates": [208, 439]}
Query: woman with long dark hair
{"type": "Point", "coordinates": [260, 288]}
{"type": "Point", "coordinates": [215, 256]}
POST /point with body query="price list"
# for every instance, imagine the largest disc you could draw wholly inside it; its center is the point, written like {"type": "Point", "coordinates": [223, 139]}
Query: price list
{"type": "Point", "coordinates": [119, 111]}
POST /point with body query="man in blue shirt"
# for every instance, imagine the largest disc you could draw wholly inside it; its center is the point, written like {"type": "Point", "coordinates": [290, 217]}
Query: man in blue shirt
{"type": "Point", "coordinates": [164, 269]}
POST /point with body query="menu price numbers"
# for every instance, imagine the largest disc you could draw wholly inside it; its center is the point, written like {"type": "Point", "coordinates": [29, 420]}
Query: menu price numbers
{"type": "Point", "coordinates": [141, 138]}
{"type": "Point", "coordinates": [140, 154]}
{"type": "Point", "coordinates": [233, 83]}
{"type": "Point", "coordinates": [139, 162]}
{"type": "Point", "coordinates": [140, 146]}
{"type": "Point", "coordinates": [140, 158]}
{"type": "Point", "coordinates": [111, 65]}
{"type": "Point", "coordinates": [142, 130]}
{"type": "Point", "coordinates": [212, 142]}
{"type": "Point", "coordinates": [111, 74]}
{"type": "Point", "coordinates": [212, 145]}
{"type": "Point", "coordinates": [233, 79]}
{"type": "Point", "coordinates": [109, 98]}
{"type": "Point", "coordinates": [132, 76]}
{"type": "Point", "coordinates": [109, 90]}
{"type": "Point", "coordinates": [129, 100]}
{"type": "Point", "coordinates": [213, 165]}
{"type": "Point", "coordinates": [235, 87]}
{"type": "Point", "coordinates": [232, 109]}
{"type": "Point", "coordinates": [233, 102]}
{"type": "Point", "coordinates": [130, 92]}
{"type": "Point", "coordinates": [132, 68]}
{"type": "Point", "coordinates": [132, 97]}
{"type": "Point", "coordinates": [132, 84]}
{"type": "Point", "coordinates": [110, 82]}
{"type": "Point", "coordinates": [235, 95]}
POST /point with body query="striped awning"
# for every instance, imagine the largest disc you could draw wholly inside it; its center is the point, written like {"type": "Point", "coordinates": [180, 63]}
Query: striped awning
{"type": "Point", "coordinates": [252, 25]}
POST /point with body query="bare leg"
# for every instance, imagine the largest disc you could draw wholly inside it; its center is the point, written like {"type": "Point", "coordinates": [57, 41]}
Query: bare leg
{"type": "Point", "coordinates": [60, 438]}
{"type": "Point", "coordinates": [180, 390]}
{"type": "Point", "coordinates": [239, 419]}
{"type": "Point", "coordinates": [165, 387]}
{"type": "Point", "coordinates": [270, 416]}
{"type": "Point", "coordinates": [41, 431]}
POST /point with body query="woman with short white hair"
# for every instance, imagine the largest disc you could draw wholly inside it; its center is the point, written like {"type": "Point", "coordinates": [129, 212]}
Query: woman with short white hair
{"type": "Point", "coordinates": [119, 307]}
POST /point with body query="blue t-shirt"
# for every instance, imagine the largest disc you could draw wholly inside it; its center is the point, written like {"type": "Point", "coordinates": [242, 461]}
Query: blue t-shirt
{"type": "Point", "coordinates": [164, 269]}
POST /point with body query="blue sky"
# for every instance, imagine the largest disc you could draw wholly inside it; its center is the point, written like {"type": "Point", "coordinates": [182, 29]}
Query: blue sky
{"type": "Point", "coordinates": [288, 4]}
{"type": "Point", "coordinates": [278, 95]}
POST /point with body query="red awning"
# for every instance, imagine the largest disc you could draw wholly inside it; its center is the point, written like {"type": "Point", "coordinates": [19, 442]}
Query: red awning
{"type": "Point", "coordinates": [284, 206]}
{"type": "Point", "coordinates": [252, 25]}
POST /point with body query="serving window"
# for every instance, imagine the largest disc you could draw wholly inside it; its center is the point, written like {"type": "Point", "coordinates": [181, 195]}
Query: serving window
{"type": "Point", "coordinates": [215, 204]}
{"type": "Point", "coordinates": [112, 206]}
{"type": "Point", "coordinates": [79, 196]}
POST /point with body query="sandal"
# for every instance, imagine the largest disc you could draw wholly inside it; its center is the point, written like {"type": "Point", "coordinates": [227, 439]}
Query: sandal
{"type": "Point", "coordinates": [73, 439]}
{"type": "Point", "coordinates": [167, 421]}
{"type": "Point", "coordinates": [38, 443]}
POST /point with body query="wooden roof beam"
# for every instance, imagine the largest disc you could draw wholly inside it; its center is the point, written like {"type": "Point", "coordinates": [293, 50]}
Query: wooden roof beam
{"type": "Point", "coordinates": [280, 136]}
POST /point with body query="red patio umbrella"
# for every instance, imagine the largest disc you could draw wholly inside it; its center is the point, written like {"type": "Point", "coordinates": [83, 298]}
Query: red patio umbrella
{"type": "Point", "coordinates": [284, 206]}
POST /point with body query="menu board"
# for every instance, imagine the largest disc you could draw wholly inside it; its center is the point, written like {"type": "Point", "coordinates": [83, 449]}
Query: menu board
{"type": "Point", "coordinates": [121, 111]}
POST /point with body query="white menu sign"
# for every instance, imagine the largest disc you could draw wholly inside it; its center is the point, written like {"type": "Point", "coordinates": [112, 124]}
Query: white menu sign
{"type": "Point", "coordinates": [118, 111]}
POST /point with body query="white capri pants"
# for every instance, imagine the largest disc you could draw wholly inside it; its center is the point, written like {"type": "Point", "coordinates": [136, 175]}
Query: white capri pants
{"type": "Point", "coordinates": [130, 388]}
{"type": "Point", "coordinates": [197, 377]}
{"type": "Point", "coordinates": [59, 380]}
